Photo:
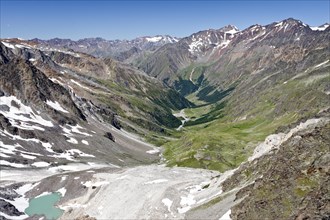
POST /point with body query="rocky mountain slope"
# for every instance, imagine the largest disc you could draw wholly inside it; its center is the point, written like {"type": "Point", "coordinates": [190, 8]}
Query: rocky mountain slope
{"type": "Point", "coordinates": [274, 77]}
{"type": "Point", "coordinates": [212, 61]}
{"type": "Point", "coordinates": [251, 107]}
{"type": "Point", "coordinates": [166, 62]}
{"type": "Point", "coordinates": [55, 104]}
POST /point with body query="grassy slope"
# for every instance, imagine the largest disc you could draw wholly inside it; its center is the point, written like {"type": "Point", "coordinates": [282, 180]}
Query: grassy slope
{"type": "Point", "coordinates": [222, 138]}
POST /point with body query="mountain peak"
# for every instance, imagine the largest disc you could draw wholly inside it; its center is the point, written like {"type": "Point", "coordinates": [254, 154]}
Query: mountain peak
{"type": "Point", "coordinates": [229, 29]}
{"type": "Point", "coordinates": [161, 38]}
{"type": "Point", "coordinates": [288, 24]}
{"type": "Point", "coordinates": [292, 20]}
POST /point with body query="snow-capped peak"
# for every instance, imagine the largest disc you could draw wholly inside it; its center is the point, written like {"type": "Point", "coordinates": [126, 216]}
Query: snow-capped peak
{"type": "Point", "coordinates": [205, 40]}
{"type": "Point", "coordinates": [230, 29]}
{"type": "Point", "coordinates": [154, 39]}
{"type": "Point", "coordinates": [320, 28]}
{"type": "Point", "coordinates": [159, 38]}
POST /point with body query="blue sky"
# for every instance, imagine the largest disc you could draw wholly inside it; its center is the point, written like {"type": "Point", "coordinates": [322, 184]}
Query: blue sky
{"type": "Point", "coordinates": [129, 19]}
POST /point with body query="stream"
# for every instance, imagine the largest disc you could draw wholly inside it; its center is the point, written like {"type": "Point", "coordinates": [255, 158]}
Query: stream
{"type": "Point", "coordinates": [182, 115]}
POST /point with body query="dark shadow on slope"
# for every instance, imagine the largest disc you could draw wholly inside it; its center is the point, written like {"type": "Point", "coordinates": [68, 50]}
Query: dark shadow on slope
{"type": "Point", "coordinates": [186, 87]}
{"type": "Point", "coordinates": [204, 94]}
{"type": "Point", "coordinates": [215, 113]}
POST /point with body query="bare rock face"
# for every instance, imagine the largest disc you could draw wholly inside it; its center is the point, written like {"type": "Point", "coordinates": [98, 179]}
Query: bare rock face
{"type": "Point", "coordinates": [21, 79]}
{"type": "Point", "coordinates": [109, 136]}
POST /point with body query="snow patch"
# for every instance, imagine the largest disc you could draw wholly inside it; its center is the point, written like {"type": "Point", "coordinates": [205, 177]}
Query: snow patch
{"type": "Point", "coordinates": [279, 24]}
{"type": "Point", "coordinates": [72, 140]}
{"type": "Point", "coordinates": [232, 31]}
{"type": "Point", "coordinates": [194, 46]}
{"type": "Point", "coordinates": [186, 203]}
{"type": "Point", "coordinates": [74, 167]}
{"type": "Point", "coordinates": [12, 149]}
{"type": "Point", "coordinates": [43, 194]}
{"type": "Point", "coordinates": [56, 81]}
{"type": "Point", "coordinates": [259, 35]}
{"type": "Point", "coordinates": [79, 152]}
{"type": "Point", "coordinates": [76, 128]}
{"type": "Point", "coordinates": [58, 50]}
{"type": "Point", "coordinates": [24, 125]}
{"type": "Point", "coordinates": [187, 200]}
{"type": "Point", "coordinates": [78, 84]}
{"type": "Point", "coordinates": [8, 45]}
{"type": "Point", "coordinates": [21, 112]}
{"type": "Point", "coordinates": [154, 39]}
{"type": "Point", "coordinates": [168, 203]}
{"type": "Point", "coordinates": [4, 155]}
{"type": "Point", "coordinates": [16, 165]}
{"type": "Point", "coordinates": [40, 164]}
{"type": "Point", "coordinates": [22, 46]}
{"type": "Point", "coordinates": [90, 183]}
{"type": "Point", "coordinates": [85, 142]}
{"type": "Point", "coordinates": [154, 151]}
{"type": "Point", "coordinates": [62, 191]}
{"type": "Point", "coordinates": [320, 28]}
{"type": "Point", "coordinates": [55, 105]}
{"type": "Point", "coordinates": [226, 216]}
{"type": "Point", "coordinates": [13, 217]}
{"type": "Point", "coordinates": [21, 203]}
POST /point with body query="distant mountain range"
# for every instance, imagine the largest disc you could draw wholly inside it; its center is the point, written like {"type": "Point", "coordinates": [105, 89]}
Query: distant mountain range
{"type": "Point", "coordinates": [118, 49]}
